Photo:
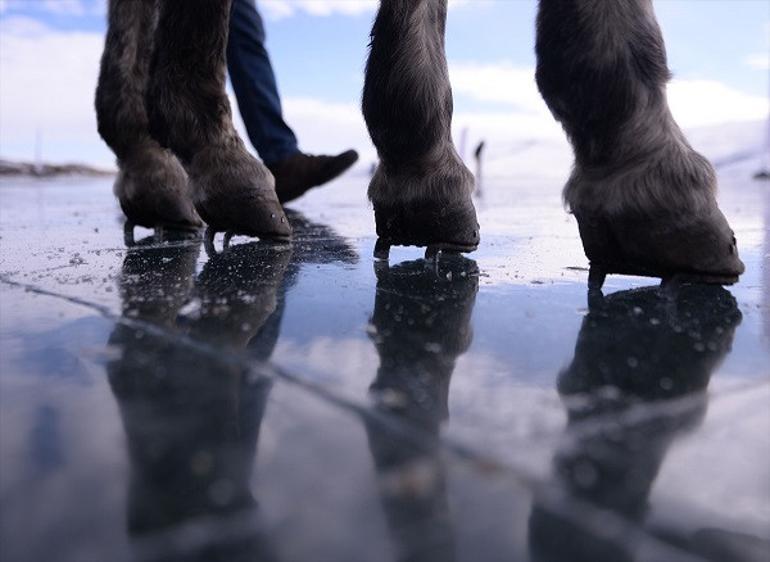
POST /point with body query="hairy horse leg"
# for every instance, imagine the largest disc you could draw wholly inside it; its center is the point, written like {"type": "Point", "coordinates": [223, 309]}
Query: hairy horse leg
{"type": "Point", "coordinates": [152, 185]}
{"type": "Point", "coordinates": [190, 113]}
{"type": "Point", "coordinates": [421, 190]}
{"type": "Point", "coordinates": [644, 199]}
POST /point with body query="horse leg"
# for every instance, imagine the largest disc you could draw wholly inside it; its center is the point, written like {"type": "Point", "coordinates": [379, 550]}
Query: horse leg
{"type": "Point", "coordinates": [189, 113]}
{"type": "Point", "coordinates": [152, 185]}
{"type": "Point", "coordinates": [643, 198]}
{"type": "Point", "coordinates": [421, 190]}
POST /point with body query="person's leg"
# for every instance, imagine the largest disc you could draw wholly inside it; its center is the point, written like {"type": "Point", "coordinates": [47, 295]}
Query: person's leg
{"type": "Point", "coordinates": [255, 87]}
{"type": "Point", "coordinates": [421, 190]}
{"type": "Point", "coordinates": [260, 105]}
{"type": "Point", "coordinates": [189, 113]}
{"type": "Point", "coordinates": [151, 186]}
{"type": "Point", "coordinates": [644, 199]}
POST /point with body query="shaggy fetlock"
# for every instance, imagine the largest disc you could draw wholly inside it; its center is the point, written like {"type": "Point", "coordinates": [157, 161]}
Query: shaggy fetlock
{"type": "Point", "coordinates": [421, 191]}
{"type": "Point", "coordinates": [235, 193]}
{"type": "Point", "coordinates": [675, 233]}
{"type": "Point", "coordinates": [668, 224]}
{"type": "Point", "coordinates": [644, 199]}
{"type": "Point", "coordinates": [153, 190]}
{"type": "Point", "coordinates": [425, 205]}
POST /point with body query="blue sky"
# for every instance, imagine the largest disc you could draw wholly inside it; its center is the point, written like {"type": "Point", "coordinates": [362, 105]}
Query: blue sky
{"type": "Point", "coordinates": [718, 50]}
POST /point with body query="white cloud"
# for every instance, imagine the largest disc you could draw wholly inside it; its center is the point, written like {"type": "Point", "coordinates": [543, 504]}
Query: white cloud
{"type": "Point", "coordinates": [278, 9]}
{"type": "Point", "coordinates": [758, 61]}
{"type": "Point", "coordinates": [48, 80]}
{"type": "Point", "coordinates": [22, 26]}
{"type": "Point", "coordinates": [67, 7]}
{"type": "Point", "coordinates": [285, 8]}
{"type": "Point", "coordinates": [75, 8]}
{"type": "Point", "coordinates": [697, 103]}
{"type": "Point", "coordinates": [500, 82]}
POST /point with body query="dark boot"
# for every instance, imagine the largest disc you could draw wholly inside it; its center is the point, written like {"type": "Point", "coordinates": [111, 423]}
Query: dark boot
{"type": "Point", "coordinates": [298, 173]}
{"type": "Point", "coordinates": [643, 198]}
{"type": "Point", "coordinates": [421, 190]}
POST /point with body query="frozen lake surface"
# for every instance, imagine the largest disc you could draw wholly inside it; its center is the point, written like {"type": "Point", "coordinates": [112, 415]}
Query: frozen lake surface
{"type": "Point", "coordinates": [298, 403]}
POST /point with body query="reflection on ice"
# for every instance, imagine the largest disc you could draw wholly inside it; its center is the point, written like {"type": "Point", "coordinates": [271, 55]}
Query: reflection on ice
{"type": "Point", "coordinates": [642, 363]}
{"type": "Point", "coordinates": [191, 419]}
{"type": "Point", "coordinates": [421, 323]}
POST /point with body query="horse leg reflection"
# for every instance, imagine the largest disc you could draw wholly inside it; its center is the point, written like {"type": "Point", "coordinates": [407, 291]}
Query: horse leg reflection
{"type": "Point", "coordinates": [421, 325]}
{"type": "Point", "coordinates": [643, 352]}
{"type": "Point", "coordinates": [192, 418]}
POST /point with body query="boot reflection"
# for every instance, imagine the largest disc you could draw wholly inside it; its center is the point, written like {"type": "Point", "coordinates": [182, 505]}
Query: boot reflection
{"type": "Point", "coordinates": [421, 324]}
{"type": "Point", "coordinates": [643, 360]}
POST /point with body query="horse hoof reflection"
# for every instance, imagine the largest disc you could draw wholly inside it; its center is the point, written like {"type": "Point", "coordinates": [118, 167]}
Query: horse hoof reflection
{"type": "Point", "coordinates": [420, 325]}
{"type": "Point", "coordinates": [192, 414]}
{"type": "Point", "coordinates": [646, 347]}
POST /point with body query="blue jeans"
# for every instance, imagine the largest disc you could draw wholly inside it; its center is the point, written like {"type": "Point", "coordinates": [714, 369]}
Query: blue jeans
{"type": "Point", "coordinates": [254, 83]}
